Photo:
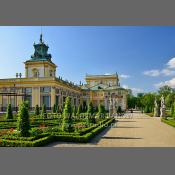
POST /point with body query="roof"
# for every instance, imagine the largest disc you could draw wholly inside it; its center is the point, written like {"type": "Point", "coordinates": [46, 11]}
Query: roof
{"type": "Point", "coordinates": [115, 75]}
{"type": "Point", "coordinates": [102, 87]}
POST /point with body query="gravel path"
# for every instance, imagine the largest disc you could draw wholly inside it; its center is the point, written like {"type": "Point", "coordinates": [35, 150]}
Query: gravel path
{"type": "Point", "coordinates": [138, 131]}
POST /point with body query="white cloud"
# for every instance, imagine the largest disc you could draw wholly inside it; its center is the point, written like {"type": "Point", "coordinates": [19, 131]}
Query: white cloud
{"type": "Point", "coordinates": [134, 90]}
{"type": "Point", "coordinates": [137, 90]}
{"type": "Point", "coordinates": [170, 83]}
{"type": "Point", "coordinates": [156, 72]}
{"type": "Point", "coordinates": [168, 72]}
{"type": "Point", "coordinates": [171, 63]}
{"type": "Point", "coordinates": [107, 73]}
{"type": "Point", "coordinates": [125, 86]}
{"type": "Point", "coordinates": [152, 73]}
{"type": "Point", "coordinates": [124, 76]}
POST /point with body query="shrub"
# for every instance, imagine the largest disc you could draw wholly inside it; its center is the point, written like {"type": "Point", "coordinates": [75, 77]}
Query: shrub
{"type": "Point", "coordinates": [54, 110]}
{"type": "Point", "coordinates": [101, 111]}
{"type": "Point", "coordinates": [147, 109]}
{"type": "Point", "coordinates": [74, 111]}
{"type": "Point", "coordinates": [79, 110]}
{"type": "Point", "coordinates": [37, 110]}
{"type": "Point", "coordinates": [44, 112]}
{"type": "Point", "coordinates": [90, 112]}
{"type": "Point", "coordinates": [67, 116]}
{"type": "Point", "coordinates": [26, 103]}
{"type": "Point", "coordinates": [23, 122]}
{"type": "Point", "coordinates": [59, 109]}
{"type": "Point", "coordinates": [9, 114]}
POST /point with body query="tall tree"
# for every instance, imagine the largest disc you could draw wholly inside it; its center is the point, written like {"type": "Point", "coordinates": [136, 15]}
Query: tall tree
{"type": "Point", "coordinates": [165, 90]}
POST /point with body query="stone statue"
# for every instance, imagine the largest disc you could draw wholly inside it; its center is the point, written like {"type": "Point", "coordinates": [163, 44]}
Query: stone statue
{"type": "Point", "coordinates": [156, 113]}
{"type": "Point", "coordinates": [162, 108]}
{"type": "Point", "coordinates": [110, 107]}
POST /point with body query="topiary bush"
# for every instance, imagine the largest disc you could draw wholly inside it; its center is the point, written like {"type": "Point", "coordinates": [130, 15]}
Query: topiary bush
{"type": "Point", "coordinates": [23, 122]}
{"type": "Point", "coordinates": [37, 110]}
{"type": "Point", "coordinates": [67, 124]}
{"type": "Point", "coordinates": [43, 111]}
{"type": "Point", "coordinates": [59, 109]}
{"type": "Point", "coordinates": [9, 114]}
{"type": "Point", "coordinates": [90, 113]}
{"type": "Point", "coordinates": [101, 111]}
{"type": "Point", "coordinates": [54, 110]}
{"type": "Point", "coordinates": [74, 111]}
{"type": "Point", "coordinates": [79, 110]}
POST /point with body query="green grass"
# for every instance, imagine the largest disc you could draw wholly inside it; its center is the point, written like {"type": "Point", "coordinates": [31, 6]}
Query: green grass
{"type": "Point", "coordinates": [169, 121]}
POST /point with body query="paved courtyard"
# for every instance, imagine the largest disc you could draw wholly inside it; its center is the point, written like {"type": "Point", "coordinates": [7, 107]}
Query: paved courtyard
{"type": "Point", "coordinates": [139, 130]}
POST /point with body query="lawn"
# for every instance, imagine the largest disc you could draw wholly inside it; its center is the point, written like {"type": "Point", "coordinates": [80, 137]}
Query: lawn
{"type": "Point", "coordinates": [170, 121]}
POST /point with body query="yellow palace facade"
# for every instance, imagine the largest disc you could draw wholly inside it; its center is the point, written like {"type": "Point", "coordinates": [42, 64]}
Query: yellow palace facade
{"type": "Point", "coordinates": [41, 86]}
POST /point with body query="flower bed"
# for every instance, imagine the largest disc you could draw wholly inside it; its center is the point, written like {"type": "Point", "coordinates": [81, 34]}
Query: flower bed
{"type": "Point", "coordinates": [48, 137]}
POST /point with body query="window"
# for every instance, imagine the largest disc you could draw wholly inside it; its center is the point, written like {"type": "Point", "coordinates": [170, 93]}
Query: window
{"type": "Point", "coordinates": [28, 90]}
{"type": "Point", "coordinates": [45, 100]}
{"type": "Point", "coordinates": [45, 89]}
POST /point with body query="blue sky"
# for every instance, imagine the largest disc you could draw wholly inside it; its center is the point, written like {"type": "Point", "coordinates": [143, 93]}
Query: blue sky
{"type": "Point", "coordinates": [142, 56]}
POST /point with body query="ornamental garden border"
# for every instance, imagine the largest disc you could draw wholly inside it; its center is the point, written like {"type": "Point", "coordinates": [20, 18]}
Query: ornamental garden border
{"type": "Point", "coordinates": [47, 138]}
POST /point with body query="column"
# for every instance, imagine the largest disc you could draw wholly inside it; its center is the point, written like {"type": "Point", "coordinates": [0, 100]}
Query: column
{"type": "Point", "coordinates": [53, 96]}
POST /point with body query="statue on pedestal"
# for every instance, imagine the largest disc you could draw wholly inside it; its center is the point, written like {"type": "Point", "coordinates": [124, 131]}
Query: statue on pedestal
{"type": "Point", "coordinates": [156, 112]}
{"type": "Point", "coordinates": [162, 108]}
{"type": "Point", "coordinates": [110, 107]}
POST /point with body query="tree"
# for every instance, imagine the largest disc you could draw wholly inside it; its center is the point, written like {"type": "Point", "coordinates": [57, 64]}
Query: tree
{"type": "Point", "coordinates": [165, 90]}
{"type": "Point", "coordinates": [148, 102]}
{"type": "Point", "coordinates": [37, 110]}
{"type": "Point", "coordinates": [54, 108]}
{"type": "Point", "coordinates": [169, 100]}
{"type": "Point", "coordinates": [90, 112]}
{"type": "Point", "coordinates": [74, 111]}
{"type": "Point", "coordinates": [23, 122]}
{"type": "Point", "coordinates": [172, 110]}
{"type": "Point", "coordinates": [132, 101]}
{"type": "Point", "coordinates": [67, 124]}
{"type": "Point", "coordinates": [43, 111]}
{"type": "Point", "coordinates": [9, 114]}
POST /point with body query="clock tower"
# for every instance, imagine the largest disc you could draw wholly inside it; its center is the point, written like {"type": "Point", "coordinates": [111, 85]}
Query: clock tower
{"type": "Point", "coordinates": [40, 65]}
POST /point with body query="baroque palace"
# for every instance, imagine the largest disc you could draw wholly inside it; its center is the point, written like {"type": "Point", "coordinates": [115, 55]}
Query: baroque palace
{"type": "Point", "coordinates": [41, 86]}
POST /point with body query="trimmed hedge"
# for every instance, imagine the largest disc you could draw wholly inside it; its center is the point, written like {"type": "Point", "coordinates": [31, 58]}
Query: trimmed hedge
{"type": "Point", "coordinates": [46, 139]}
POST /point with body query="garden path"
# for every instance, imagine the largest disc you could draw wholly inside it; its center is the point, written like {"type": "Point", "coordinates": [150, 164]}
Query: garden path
{"type": "Point", "coordinates": [139, 130]}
